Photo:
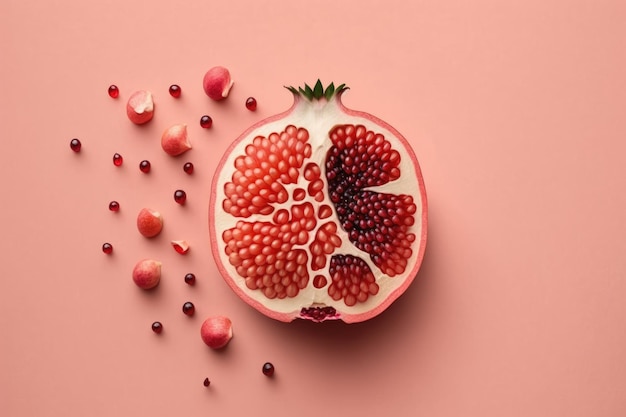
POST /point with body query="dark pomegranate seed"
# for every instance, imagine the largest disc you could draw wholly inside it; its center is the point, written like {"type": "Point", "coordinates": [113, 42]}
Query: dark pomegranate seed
{"type": "Point", "coordinates": [206, 121]}
{"type": "Point", "coordinates": [144, 166]}
{"type": "Point", "coordinates": [268, 369]}
{"type": "Point", "coordinates": [157, 327]}
{"type": "Point", "coordinates": [251, 104]}
{"type": "Point", "coordinates": [206, 382]}
{"type": "Point", "coordinates": [189, 309]}
{"type": "Point", "coordinates": [107, 248]}
{"type": "Point", "coordinates": [190, 279]}
{"type": "Point", "coordinates": [114, 206]}
{"type": "Point", "coordinates": [117, 160]}
{"type": "Point", "coordinates": [175, 90]}
{"type": "Point", "coordinates": [188, 168]}
{"type": "Point", "coordinates": [180, 196]}
{"type": "Point", "coordinates": [114, 92]}
{"type": "Point", "coordinates": [75, 145]}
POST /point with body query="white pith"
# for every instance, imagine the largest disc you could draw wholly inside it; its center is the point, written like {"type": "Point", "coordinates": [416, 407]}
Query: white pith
{"type": "Point", "coordinates": [318, 117]}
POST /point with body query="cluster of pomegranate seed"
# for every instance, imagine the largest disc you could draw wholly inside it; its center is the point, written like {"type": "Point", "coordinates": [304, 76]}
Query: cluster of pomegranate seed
{"type": "Point", "coordinates": [318, 314]}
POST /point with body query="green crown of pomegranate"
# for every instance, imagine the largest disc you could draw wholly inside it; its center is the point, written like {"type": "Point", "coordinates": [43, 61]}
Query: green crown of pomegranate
{"type": "Point", "coordinates": [318, 91]}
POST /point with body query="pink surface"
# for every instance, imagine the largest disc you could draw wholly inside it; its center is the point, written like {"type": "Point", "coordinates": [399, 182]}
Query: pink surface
{"type": "Point", "coordinates": [515, 110]}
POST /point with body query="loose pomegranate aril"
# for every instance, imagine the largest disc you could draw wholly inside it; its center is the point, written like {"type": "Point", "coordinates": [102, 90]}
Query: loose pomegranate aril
{"type": "Point", "coordinates": [175, 91]}
{"type": "Point", "coordinates": [75, 145]}
{"type": "Point", "coordinates": [188, 168]}
{"type": "Point", "coordinates": [268, 369]}
{"type": "Point", "coordinates": [206, 382]}
{"type": "Point", "coordinates": [114, 92]}
{"type": "Point", "coordinates": [180, 197]}
{"type": "Point", "coordinates": [144, 166]}
{"type": "Point", "coordinates": [189, 309]}
{"type": "Point", "coordinates": [190, 279]}
{"type": "Point", "coordinates": [157, 327]}
{"type": "Point", "coordinates": [206, 121]}
{"type": "Point", "coordinates": [251, 104]}
{"type": "Point", "coordinates": [117, 160]}
{"type": "Point", "coordinates": [107, 248]}
{"type": "Point", "coordinates": [114, 206]}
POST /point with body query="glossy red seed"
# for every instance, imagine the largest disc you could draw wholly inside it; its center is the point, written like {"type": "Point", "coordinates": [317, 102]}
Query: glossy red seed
{"type": "Point", "coordinates": [206, 121]}
{"type": "Point", "coordinates": [114, 206]}
{"type": "Point", "coordinates": [117, 160]}
{"type": "Point", "coordinates": [180, 197]}
{"type": "Point", "coordinates": [188, 168]}
{"type": "Point", "coordinates": [107, 248]}
{"type": "Point", "coordinates": [189, 309]}
{"type": "Point", "coordinates": [75, 145]}
{"type": "Point", "coordinates": [206, 382]}
{"type": "Point", "coordinates": [114, 92]}
{"type": "Point", "coordinates": [157, 327]}
{"type": "Point", "coordinates": [144, 166]}
{"type": "Point", "coordinates": [175, 90]}
{"type": "Point", "coordinates": [190, 279]}
{"type": "Point", "coordinates": [268, 369]}
{"type": "Point", "coordinates": [251, 104]}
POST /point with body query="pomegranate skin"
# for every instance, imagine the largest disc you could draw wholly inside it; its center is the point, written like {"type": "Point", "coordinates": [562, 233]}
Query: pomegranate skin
{"type": "Point", "coordinates": [217, 83]}
{"type": "Point", "coordinates": [147, 274]}
{"type": "Point", "coordinates": [216, 332]}
{"type": "Point", "coordinates": [327, 111]}
{"type": "Point", "coordinates": [140, 107]}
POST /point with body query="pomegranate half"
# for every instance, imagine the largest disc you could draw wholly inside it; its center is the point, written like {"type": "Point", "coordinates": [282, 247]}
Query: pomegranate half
{"type": "Point", "coordinates": [319, 212]}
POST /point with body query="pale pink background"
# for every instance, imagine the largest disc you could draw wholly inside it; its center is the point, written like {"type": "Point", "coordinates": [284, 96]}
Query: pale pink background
{"type": "Point", "coordinates": [516, 110]}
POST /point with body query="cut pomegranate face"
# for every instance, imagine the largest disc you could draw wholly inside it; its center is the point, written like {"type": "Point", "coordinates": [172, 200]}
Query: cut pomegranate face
{"type": "Point", "coordinates": [319, 212]}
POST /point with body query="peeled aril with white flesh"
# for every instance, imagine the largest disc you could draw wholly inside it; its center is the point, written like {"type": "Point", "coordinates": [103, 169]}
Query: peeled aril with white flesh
{"type": "Point", "coordinates": [319, 212]}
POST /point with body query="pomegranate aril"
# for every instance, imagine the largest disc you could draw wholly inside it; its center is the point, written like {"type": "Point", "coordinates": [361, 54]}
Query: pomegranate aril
{"type": "Point", "coordinates": [190, 279]}
{"type": "Point", "coordinates": [117, 159]}
{"type": "Point", "coordinates": [180, 196]}
{"type": "Point", "coordinates": [157, 327]}
{"type": "Point", "coordinates": [107, 248]}
{"type": "Point", "coordinates": [114, 92]}
{"type": "Point", "coordinates": [206, 121]}
{"type": "Point", "coordinates": [75, 145]}
{"type": "Point", "coordinates": [114, 206]}
{"type": "Point", "coordinates": [251, 104]}
{"type": "Point", "coordinates": [144, 166]}
{"type": "Point", "coordinates": [189, 309]}
{"type": "Point", "coordinates": [206, 382]}
{"type": "Point", "coordinates": [188, 168]}
{"type": "Point", "coordinates": [175, 90]}
{"type": "Point", "coordinates": [268, 369]}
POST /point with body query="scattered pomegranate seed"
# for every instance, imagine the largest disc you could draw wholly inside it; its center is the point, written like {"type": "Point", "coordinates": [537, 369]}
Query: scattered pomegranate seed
{"type": "Point", "coordinates": [107, 248]}
{"type": "Point", "coordinates": [75, 145]}
{"type": "Point", "coordinates": [190, 279]}
{"type": "Point", "coordinates": [114, 92]}
{"type": "Point", "coordinates": [268, 369]}
{"type": "Point", "coordinates": [180, 197]}
{"type": "Point", "coordinates": [206, 382]}
{"type": "Point", "coordinates": [251, 104]}
{"type": "Point", "coordinates": [189, 309]}
{"type": "Point", "coordinates": [206, 121]}
{"type": "Point", "coordinates": [117, 160]}
{"type": "Point", "coordinates": [144, 166]}
{"type": "Point", "coordinates": [114, 206]}
{"type": "Point", "coordinates": [157, 327]}
{"type": "Point", "coordinates": [188, 168]}
{"type": "Point", "coordinates": [175, 90]}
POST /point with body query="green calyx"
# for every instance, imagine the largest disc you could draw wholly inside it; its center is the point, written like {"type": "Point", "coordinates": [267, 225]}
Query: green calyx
{"type": "Point", "coordinates": [318, 91]}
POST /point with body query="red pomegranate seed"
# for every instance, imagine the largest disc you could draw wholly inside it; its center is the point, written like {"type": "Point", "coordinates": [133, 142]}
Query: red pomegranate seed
{"type": "Point", "coordinates": [188, 168]}
{"type": "Point", "coordinates": [117, 160]}
{"type": "Point", "coordinates": [206, 382]}
{"type": "Point", "coordinates": [114, 206]}
{"type": "Point", "coordinates": [206, 121]}
{"type": "Point", "coordinates": [75, 145]}
{"type": "Point", "coordinates": [319, 281]}
{"type": "Point", "coordinates": [157, 327]}
{"type": "Point", "coordinates": [180, 197]}
{"type": "Point", "coordinates": [144, 166]}
{"type": "Point", "coordinates": [268, 369]}
{"type": "Point", "coordinates": [189, 309]}
{"type": "Point", "coordinates": [190, 279]}
{"type": "Point", "coordinates": [251, 104]}
{"type": "Point", "coordinates": [114, 92]}
{"type": "Point", "coordinates": [175, 90]}
{"type": "Point", "coordinates": [107, 248]}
